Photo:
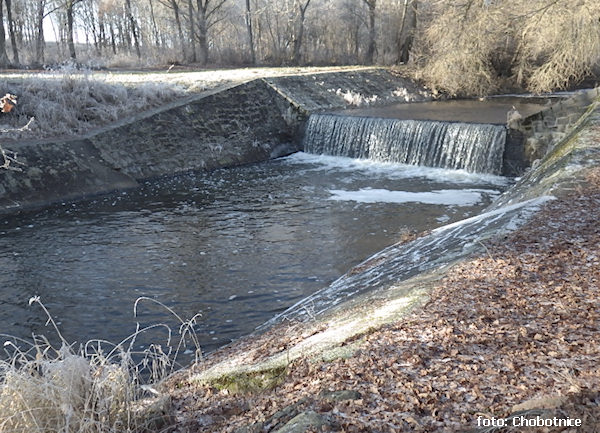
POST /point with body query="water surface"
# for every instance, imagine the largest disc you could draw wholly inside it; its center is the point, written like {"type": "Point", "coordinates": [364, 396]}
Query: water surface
{"type": "Point", "coordinates": [235, 245]}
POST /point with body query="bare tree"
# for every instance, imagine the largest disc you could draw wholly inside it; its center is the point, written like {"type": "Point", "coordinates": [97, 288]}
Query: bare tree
{"type": "Point", "coordinates": [372, 46]}
{"type": "Point", "coordinates": [191, 31]}
{"type": "Point", "coordinates": [134, 28]}
{"type": "Point", "coordinates": [4, 62]}
{"type": "Point", "coordinates": [248, 19]}
{"type": "Point", "coordinates": [406, 33]}
{"type": "Point", "coordinates": [11, 31]}
{"type": "Point", "coordinates": [174, 5]}
{"type": "Point", "coordinates": [70, 29]}
{"type": "Point", "coordinates": [299, 32]}
{"type": "Point", "coordinates": [39, 41]}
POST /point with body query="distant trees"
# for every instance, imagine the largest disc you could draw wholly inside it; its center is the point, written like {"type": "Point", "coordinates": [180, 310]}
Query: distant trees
{"type": "Point", "coordinates": [463, 47]}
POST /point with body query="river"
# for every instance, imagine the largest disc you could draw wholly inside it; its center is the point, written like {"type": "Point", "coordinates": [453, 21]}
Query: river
{"type": "Point", "coordinates": [234, 245]}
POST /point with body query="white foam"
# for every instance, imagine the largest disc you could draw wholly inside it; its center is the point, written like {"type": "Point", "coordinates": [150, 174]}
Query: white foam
{"type": "Point", "coordinates": [446, 197]}
{"type": "Point", "coordinates": [393, 170]}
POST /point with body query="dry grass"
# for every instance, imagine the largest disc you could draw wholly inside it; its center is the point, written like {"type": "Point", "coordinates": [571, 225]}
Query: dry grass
{"type": "Point", "coordinates": [98, 388]}
{"type": "Point", "coordinates": [70, 103]}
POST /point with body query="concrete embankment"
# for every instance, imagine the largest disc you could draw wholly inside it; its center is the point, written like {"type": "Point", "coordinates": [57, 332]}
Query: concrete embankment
{"type": "Point", "coordinates": [239, 124]}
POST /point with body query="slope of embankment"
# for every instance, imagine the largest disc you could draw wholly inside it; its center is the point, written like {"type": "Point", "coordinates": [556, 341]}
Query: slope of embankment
{"type": "Point", "coordinates": [508, 330]}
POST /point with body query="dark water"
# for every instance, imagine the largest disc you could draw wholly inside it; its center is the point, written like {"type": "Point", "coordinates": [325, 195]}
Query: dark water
{"type": "Point", "coordinates": [236, 245]}
{"type": "Point", "coordinates": [492, 110]}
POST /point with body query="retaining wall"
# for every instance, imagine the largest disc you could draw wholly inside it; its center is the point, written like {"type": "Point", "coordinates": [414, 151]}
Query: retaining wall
{"type": "Point", "coordinates": [540, 132]}
{"type": "Point", "coordinates": [239, 124]}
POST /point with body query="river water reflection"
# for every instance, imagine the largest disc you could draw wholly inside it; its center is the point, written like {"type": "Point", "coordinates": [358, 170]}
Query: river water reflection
{"type": "Point", "coordinates": [235, 245]}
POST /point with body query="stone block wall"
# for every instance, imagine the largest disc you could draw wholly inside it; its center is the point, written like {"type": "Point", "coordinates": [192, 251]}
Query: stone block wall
{"type": "Point", "coordinates": [541, 131]}
{"type": "Point", "coordinates": [240, 125]}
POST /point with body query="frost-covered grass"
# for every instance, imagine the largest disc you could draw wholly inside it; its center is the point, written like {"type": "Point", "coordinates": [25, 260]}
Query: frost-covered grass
{"type": "Point", "coordinates": [72, 103]}
{"type": "Point", "coordinates": [97, 388]}
{"type": "Point", "coordinates": [69, 102]}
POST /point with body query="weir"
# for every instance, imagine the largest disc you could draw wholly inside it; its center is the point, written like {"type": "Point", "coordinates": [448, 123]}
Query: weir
{"type": "Point", "coordinates": [472, 147]}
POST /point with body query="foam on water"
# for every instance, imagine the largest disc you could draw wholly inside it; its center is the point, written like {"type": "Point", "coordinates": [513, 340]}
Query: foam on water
{"type": "Point", "coordinates": [446, 197]}
{"type": "Point", "coordinates": [392, 170]}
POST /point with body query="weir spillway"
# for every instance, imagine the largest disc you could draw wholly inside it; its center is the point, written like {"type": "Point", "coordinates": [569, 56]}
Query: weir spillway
{"type": "Point", "coordinates": [472, 147]}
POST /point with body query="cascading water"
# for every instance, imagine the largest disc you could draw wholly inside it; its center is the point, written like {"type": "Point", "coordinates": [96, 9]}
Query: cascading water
{"type": "Point", "coordinates": [469, 146]}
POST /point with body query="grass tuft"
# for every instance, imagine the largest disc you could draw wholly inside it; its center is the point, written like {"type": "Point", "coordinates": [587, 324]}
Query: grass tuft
{"type": "Point", "coordinates": [71, 102]}
{"type": "Point", "coordinates": [97, 388]}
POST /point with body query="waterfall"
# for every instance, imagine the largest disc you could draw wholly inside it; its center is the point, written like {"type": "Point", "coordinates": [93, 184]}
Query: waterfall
{"type": "Point", "coordinates": [472, 147]}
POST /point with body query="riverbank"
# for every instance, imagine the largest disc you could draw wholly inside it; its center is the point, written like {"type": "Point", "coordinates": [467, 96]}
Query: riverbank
{"type": "Point", "coordinates": [513, 329]}
{"type": "Point", "coordinates": [68, 102]}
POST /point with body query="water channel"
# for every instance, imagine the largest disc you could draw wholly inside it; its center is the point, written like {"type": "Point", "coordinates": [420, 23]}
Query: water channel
{"type": "Point", "coordinates": [236, 245]}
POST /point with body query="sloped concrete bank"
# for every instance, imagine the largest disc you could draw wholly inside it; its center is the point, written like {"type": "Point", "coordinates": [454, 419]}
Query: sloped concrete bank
{"type": "Point", "coordinates": [243, 123]}
{"type": "Point", "coordinates": [391, 283]}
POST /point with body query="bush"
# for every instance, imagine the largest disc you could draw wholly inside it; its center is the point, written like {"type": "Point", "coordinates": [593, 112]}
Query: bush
{"type": "Point", "coordinates": [471, 48]}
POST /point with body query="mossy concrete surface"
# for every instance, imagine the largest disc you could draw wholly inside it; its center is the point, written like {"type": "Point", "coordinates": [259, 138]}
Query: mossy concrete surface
{"type": "Point", "coordinates": [326, 344]}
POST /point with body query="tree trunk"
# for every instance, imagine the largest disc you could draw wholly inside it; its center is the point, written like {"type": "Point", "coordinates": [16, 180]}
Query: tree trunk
{"type": "Point", "coordinates": [39, 39]}
{"type": "Point", "coordinates": [192, 33]}
{"type": "Point", "coordinates": [154, 26]}
{"type": "Point", "coordinates": [407, 30]}
{"type": "Point", "coordinates": [296, 59]}
{"type": "Point", "coordinates": [133, 25]}
{"type": "Point", "coordinates": [101, 33]}
{"type": "Point", "coordinates": [113, 41]}
{"type": "Point", "coordinates": [250, 34]}
{"type": "Point", "coordinates": [202, 31]}
{"type": "Point", "coordinates": [11, 30]}
{"type": "Point", "coordinates": [175, 7]}
{"type": "Point", "coordinates": [4, 62]}
{"type": "Point", "coordinates": [70, 41]}
{"type": "Point", "coordinates": [372, 47]}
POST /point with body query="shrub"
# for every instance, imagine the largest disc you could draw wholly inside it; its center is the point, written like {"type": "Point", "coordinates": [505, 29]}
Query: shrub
{"type": "Point", "coordinates": [473, 47]}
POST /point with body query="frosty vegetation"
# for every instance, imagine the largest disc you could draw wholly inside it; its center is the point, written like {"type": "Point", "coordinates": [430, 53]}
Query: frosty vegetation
{"type": "Point", "coordinates": [73, 102]}
{"type": "Point", "coordinates": [96, 388]}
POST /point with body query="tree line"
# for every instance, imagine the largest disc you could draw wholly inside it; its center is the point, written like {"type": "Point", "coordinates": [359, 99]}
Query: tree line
{"type": "Point", "coordinates": [462, 47]}
{"type": "Point", "coordinates": [271, 32]}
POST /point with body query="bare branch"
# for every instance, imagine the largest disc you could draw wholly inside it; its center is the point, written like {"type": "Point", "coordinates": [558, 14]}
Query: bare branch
{"type": "Point", "coordinates": [8, 156]}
